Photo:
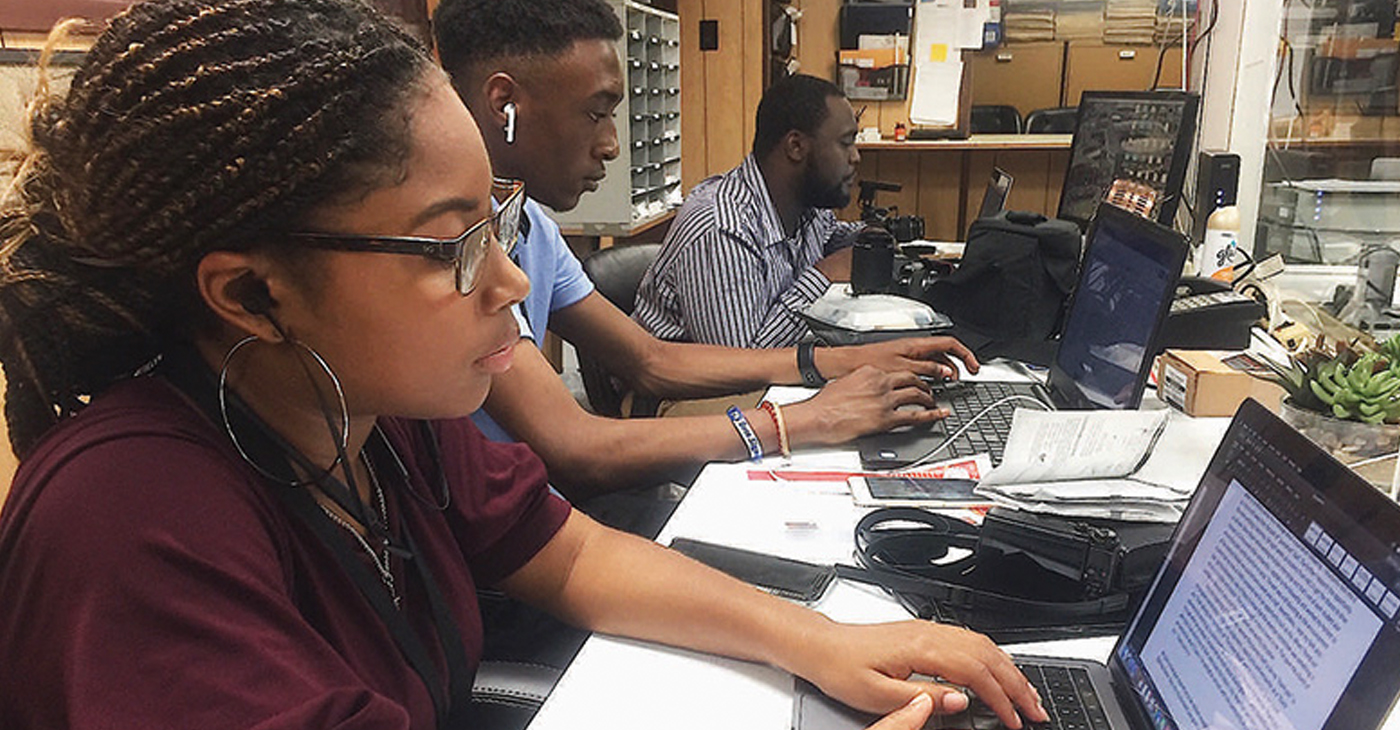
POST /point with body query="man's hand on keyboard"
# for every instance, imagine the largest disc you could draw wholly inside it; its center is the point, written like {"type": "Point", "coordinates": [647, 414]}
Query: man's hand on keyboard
{"type": "Point", "coordinates": [929, 357]}
{"type": "Point", "coordinates": [866, 401]}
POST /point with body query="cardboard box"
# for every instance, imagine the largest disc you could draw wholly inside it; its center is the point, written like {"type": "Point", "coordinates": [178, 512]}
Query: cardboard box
{"type": "Point", "coordinates": [1210, 383]}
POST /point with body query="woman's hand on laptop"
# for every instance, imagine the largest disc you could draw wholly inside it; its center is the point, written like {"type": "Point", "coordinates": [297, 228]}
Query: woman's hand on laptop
{"type": "Point", "coordinates": [929, 357]}
{"type": "Point", "coordinates": [869, 667]}
{"type": "Point", "coordinates": [912, 716]}
{"type": "Point", "coordinates": [866, 401]}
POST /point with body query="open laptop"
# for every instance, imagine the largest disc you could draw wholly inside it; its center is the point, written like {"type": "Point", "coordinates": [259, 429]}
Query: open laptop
{"type": "Point", "coordinates": [993, 202]}
{"type": "Point", "coordinates": [1275, 609]}
{"type": "Point", "coordinates": [998, 189]}
{"type": "Point", "coordinates": [1127, 278]}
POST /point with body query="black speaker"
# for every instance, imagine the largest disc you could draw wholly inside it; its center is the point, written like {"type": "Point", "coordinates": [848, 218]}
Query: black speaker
{"type": "Point", "coordinates": [1217, 185]}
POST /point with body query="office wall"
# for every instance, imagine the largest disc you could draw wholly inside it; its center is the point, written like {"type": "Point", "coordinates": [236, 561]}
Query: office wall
{"type": "Point", "coordinates": [720, 89]}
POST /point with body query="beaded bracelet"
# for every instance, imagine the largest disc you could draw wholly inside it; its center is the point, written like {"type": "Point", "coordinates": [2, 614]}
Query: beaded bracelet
{"type": "Point", "coordinates": [784, 445]}
{"type": "Point", "coordinates": [741, 424]}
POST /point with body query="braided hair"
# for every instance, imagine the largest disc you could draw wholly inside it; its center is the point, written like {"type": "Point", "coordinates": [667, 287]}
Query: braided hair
{"type": "Point", "coordinates": [192, 126]}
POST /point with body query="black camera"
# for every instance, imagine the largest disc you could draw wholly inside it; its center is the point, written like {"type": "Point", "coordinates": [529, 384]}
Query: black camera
{"type": "Point", "coordinates": [904, 228]}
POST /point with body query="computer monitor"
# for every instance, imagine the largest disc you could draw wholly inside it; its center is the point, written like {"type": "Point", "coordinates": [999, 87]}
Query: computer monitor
{"type": "Point", "coordinates": [1143, 138]}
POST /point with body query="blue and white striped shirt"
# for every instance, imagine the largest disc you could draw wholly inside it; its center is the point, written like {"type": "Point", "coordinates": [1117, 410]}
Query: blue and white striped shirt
{"type": "Point", "coordinates": [729, 275]}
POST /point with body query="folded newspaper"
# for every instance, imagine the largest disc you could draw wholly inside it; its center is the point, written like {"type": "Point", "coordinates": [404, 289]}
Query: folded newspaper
{"type": "Point", "coordinates": [1128, 465]}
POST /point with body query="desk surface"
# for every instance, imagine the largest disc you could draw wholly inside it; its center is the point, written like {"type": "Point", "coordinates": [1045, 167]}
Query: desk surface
{"type": "Point", "coordinates": [624, 684]}
{"type": "Point", "coordinates": [977, 142]}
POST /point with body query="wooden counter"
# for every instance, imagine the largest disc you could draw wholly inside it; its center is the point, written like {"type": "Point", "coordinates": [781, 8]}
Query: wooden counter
{"type": "Point", "coordinates": [994, 142]}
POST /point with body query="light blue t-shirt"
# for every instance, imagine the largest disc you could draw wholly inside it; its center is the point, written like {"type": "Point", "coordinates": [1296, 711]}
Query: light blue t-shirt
{"type": "Point", "coordinates": [557, 280]}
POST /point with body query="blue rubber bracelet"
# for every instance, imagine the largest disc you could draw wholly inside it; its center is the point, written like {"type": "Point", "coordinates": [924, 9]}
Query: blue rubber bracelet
{"type": "Point", "coordinates": [741, 424]}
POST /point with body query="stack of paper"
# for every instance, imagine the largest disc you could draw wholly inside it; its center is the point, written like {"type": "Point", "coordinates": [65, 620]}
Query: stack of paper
{"type": "Point", "coordinates": [1079, 20]}
{"type": "Point", "coordinates": [1130, 21]}
{"type": "Point", "coordinates": [1126, 465]}
{"type": "Point", "coordinates": [1171, 28]}
{"type": "Point", "coordinates": [1029, 22]}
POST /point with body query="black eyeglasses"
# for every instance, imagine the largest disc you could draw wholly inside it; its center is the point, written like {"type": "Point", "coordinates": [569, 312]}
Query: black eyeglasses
{"type": "Point", "coordinates": [467, 252]}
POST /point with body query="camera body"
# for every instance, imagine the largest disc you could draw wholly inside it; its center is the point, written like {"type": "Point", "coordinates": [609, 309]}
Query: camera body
{"type": "Point", "coordinates": [904, 228]}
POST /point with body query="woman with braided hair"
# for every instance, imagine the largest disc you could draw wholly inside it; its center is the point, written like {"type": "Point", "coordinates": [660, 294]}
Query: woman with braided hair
{"type": "Point", "coordinates": [250, 288]}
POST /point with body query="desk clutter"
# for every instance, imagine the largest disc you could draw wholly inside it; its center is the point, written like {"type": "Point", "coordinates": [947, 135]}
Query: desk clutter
{"type": "Point", "coordinates": [1018, 576]}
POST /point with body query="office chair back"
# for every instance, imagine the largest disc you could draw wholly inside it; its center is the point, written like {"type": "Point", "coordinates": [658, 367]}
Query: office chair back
{"type": "Point", "coordinates": [995, 119]}
{"type": "Point", "coordinates": [617, 272]}
{"type": "Point", "coordinates": [506, 695]}
{"type": "Point", "coordinates": [1060, 120]}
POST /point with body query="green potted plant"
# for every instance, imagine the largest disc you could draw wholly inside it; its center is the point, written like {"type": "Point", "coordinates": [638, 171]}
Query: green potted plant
{"type": "Point", "coordinates": [1347, 400]}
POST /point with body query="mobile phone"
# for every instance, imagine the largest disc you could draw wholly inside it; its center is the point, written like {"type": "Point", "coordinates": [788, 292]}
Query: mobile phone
{"type": "Point", "coordinates": [904, 491]}
{"type": "Point", "coordinates": [794, 579]}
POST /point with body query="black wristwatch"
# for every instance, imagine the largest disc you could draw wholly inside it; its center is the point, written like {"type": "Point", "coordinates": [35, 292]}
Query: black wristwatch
{"type": "Point", "coordinates": [807, 365]}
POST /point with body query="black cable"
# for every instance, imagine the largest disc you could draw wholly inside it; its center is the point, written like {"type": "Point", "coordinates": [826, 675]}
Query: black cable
{"type": "Point", "coordinates": [1248, 261]}
{"type": "Point", "coordinates": [1191, 49]}
{"type": "Point", "coordinates": [1214, 18]}
{"type": "Point", "coordinates": [1200, 110]}
{"type": "Point", "coordinates": [924, 459]}
{"type": "Point", "coordinates": [1157, 76]}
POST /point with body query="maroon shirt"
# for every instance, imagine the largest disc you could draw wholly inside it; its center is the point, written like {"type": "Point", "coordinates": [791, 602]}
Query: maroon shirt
{"type": "Point", "coordinates": [150, 579]}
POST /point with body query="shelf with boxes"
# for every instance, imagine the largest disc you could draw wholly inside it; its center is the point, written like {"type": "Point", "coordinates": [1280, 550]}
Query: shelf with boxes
{"type": "Point", "coordinates": [644, 183]}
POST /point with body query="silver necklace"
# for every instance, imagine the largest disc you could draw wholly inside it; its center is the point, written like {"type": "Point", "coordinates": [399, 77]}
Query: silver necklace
{"type": "Point", "coordinates": [380, 560]}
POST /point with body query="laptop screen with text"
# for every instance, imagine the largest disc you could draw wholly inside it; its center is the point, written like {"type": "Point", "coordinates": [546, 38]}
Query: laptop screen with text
{"type": "Point", "coordinates": [1277, 606]}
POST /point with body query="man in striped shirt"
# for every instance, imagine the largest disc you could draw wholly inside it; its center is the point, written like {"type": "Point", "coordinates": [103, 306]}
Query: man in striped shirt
{"type": "Point", "coordinates": [752, 247]}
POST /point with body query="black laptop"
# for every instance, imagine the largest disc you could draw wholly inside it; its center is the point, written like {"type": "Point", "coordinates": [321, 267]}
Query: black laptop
{"type": "Point", "coordinates": [1127, 278]}
{"type": "Point", "coordinates": [1276, 608]}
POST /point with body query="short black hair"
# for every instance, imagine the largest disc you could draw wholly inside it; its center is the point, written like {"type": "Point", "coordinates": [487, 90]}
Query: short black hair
{"type": "Point", "coordinates": [796, 102]}
{"type": "Point", "coordinates": [470, 32]}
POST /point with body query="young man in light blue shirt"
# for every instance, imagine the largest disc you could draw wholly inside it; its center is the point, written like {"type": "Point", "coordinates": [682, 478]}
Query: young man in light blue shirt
{"type": "Point", "coordinates": [542, 81]}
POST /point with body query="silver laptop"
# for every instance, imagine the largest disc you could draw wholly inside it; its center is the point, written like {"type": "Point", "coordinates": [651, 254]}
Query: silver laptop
{"type": "Point", "coordinates": [1275, 609]}
{"type": "Point", "coordinates": [1126, 281]}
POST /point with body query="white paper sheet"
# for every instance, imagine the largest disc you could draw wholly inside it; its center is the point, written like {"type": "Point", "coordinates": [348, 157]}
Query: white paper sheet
{"type": "Point", "coordinates": [1157, 491]}
{"type": "Point", "coordinates": [937, 63]}
{"type": "Point", "coordinates": [974, 14]}
{"type": "Point", "coordinates": [1049, 446]}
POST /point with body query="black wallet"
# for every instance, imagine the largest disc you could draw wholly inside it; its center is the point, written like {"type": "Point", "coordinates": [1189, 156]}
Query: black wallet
{"type": "Point", "coordinates": [794, 579]}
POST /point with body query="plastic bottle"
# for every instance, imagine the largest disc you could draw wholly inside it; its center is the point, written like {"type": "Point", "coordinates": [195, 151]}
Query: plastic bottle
{"type": "Point", "coordinates": [1216, 256]}
{"type": "Point", "coordinates": [899, 132]}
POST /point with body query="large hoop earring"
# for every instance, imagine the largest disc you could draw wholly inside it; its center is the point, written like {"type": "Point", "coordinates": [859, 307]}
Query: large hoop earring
{"type": "Point", "coordinates": [228, 425]}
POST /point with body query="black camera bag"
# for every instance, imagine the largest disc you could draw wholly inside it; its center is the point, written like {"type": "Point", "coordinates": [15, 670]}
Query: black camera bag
{"type": "Point", "coordinates": [1017, 272]}
{"type": "Point", "coordinates": [1025, 577]}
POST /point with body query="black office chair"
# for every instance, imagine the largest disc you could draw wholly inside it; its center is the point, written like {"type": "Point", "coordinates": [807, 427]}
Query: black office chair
{"type": "Point", "coordinates": [617, 272]}
{"type": "Point", "coordinates": [995, 119]}
{"type": "Point", "coordinates": [1060, 120]}
{"type": "Point", "coordinates": [506, 695]}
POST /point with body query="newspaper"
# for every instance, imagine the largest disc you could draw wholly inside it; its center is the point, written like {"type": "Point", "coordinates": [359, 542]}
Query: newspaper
{"type": "Point", "coordinates": [1128, 465]}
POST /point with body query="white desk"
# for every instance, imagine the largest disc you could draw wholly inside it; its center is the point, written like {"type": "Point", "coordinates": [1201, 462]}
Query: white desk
{"type": "Point", "coordinates": [622, 684]}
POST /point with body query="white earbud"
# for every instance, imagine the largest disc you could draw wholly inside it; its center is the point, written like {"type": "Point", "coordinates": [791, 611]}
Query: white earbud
{"type": "Point", "coordinates": [510, 122]}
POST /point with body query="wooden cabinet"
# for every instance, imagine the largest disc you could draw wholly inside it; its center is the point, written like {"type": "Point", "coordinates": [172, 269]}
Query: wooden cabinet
{"type": "Point", "coordinates": [1027, 76]}
{"type": "Point", "coordinates": [1099, 67]}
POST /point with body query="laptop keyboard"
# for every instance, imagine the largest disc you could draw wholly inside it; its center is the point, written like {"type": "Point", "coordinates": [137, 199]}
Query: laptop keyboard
{"type": "Point", "coordinates": [988, 434]}
{"type": "Point", "coordinates": [1068, 697]}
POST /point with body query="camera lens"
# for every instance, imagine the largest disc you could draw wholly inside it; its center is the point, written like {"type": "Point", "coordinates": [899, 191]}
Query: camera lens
{"type": "Point", "coordinates": [872, 262]}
